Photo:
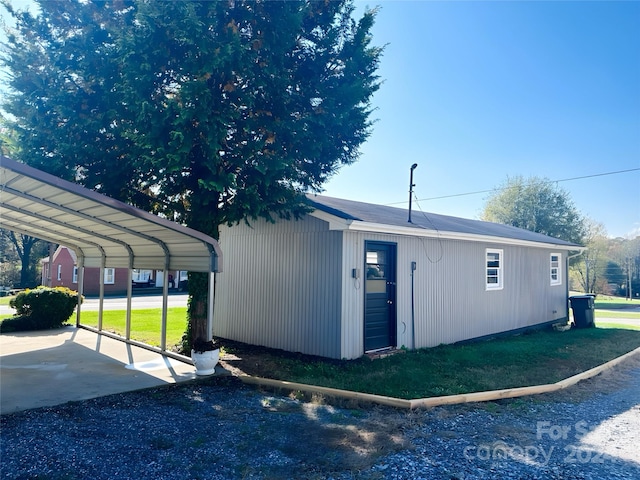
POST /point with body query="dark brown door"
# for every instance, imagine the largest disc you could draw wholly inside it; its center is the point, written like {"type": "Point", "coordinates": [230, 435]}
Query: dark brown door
{"type": "Point", "coordinates": [380, 296]}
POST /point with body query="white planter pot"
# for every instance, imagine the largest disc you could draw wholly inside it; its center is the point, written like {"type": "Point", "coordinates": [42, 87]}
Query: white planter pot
{"type": "Point", "coordinates": [205, 362]}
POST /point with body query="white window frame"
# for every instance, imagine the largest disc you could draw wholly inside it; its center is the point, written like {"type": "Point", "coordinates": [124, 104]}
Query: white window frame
{"type": "Point", "coordinates": [59, 277]}
{"type": "Point", "coordinates": [493, 271]}
{"type": "Point", "coordinates": [75, 274]}
{"type": "Point", "coordinates": [109, 276]}
{"type": "Point", "coordinates": [555, 270]}
{"type": "Point", "coordinates": [141, 276]}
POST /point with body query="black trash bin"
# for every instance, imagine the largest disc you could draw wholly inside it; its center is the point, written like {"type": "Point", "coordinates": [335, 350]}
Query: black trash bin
{"type": "Point", "coordinates": [583, 307]}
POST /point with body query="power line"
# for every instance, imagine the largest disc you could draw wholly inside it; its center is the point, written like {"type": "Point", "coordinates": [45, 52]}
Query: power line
{"type": "Point", "coordinates": [498, 189]}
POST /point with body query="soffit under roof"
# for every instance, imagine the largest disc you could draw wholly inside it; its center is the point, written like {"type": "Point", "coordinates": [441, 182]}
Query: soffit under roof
{"type": "Point", "coordinates": [38, 204]}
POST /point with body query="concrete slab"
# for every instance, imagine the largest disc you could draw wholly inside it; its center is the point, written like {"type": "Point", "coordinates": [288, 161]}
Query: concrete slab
{"type": "Point", "coordinates": [52, 367]}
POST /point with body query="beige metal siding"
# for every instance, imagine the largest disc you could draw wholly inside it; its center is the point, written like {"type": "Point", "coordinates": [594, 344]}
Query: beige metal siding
{"type": "Point", "coordinates": [352, 327]}
{"type": "Point", "coordinates": [451, 302]}
{"type": "Point", "coordinates": [290, 285]}
{"type": "Point", "coordinates": [281, 286]}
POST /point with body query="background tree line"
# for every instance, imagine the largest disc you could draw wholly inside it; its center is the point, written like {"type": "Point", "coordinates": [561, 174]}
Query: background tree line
{"type": "Point", "coordinates": [608, 265]}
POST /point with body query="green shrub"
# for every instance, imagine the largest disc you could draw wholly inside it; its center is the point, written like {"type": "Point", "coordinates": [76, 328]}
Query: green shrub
{"type": "Point", "coordinates": [19, 324]}
{"type": "Point", "coordinates": [41, 308]}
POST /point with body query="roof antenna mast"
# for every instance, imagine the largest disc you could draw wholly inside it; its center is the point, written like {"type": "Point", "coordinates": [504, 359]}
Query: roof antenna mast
{"type": "Point", "coordinates": [411, 185]}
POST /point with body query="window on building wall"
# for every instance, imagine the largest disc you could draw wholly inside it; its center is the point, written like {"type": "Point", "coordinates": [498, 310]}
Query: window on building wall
{"type": "Point", "coordinates": [75, 274]}
{"type": "Point", "coordinates": [555, 269]}
{"type": "Point", "coordinates": [494, 270]}
{"type": "Point", "coordinates": [59, 277]}
{"type": "Point", "coordinates": [141, 276]}
{"type": "Point", "coordinates": [109, 275]}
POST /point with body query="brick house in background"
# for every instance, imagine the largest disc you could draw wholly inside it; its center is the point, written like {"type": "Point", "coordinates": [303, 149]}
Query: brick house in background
{"type": "Point", "coordinates": [64, 272]}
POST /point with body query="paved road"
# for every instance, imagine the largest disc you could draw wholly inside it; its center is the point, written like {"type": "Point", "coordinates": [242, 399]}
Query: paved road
{"type": "Point", "coordinates": [137, 303]}
{"type": "Point", "coordinates": [120, 303]}
{"type": "Point", "coordinates": [601, 316]}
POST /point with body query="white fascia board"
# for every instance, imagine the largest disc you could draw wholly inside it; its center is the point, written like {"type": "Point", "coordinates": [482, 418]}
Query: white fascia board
{"type": "Point", "coordinates": [469, 237]}
{"type": "Point", "coordinates": [337, 223]}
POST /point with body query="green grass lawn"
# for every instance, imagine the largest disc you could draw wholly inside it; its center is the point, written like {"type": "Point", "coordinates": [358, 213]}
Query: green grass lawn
{"type": "Point", "coordinates": [537, 358]}
{"type": "Point", "coordinates": [614, 303]}
{"type": "Point", "coordinates": [616, 314]}
{"type": "Point", "coordinates": [615, 324]}
{"type": "Point", "coordinates": [145, 323]}
{"type": "Point", "coordinates": [5, 300]}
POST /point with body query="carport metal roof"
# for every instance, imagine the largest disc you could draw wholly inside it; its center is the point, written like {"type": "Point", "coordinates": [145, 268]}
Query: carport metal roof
{"type": "Point", "coordinates": [97, 227]}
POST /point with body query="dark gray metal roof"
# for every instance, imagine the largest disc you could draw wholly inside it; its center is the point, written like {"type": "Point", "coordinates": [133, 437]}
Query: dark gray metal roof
{"type": "Point", "coordinates": [35, 203]}
{"type": "Point", "coordinates": [420, 221]}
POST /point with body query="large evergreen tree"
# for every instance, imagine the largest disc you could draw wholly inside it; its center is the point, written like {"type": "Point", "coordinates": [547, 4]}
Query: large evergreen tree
{"type": "Point", "coordinates": [211, 112]}
{"type": "Point", "coordinates": [64, 94]}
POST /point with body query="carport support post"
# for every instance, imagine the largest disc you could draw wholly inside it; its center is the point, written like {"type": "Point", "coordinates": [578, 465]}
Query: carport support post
{"type": "Point", "coordinates": [103, 265]}
{"type": "Point", "coordinates": [127, 327]}
{"type": "Point", "coordinates": [80, 287]}
{"type": "Point", "coordinates": [165, 303]}
{"type": "Point", "coordinates": [210, 300]}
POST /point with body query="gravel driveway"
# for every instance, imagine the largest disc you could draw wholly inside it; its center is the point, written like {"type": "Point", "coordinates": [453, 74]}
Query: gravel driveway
{"type": "Point", "coordinates": [221, 429]}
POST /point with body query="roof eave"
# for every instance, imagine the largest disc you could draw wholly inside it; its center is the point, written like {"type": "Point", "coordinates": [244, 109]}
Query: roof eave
{"type": "Point", "coordinates": [336, 223]}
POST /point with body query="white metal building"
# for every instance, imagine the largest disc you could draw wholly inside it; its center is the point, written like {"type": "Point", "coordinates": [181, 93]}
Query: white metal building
{"type": "Point", "coordinates": [352, 277]}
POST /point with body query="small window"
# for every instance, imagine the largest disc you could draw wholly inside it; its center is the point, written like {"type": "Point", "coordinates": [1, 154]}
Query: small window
{"type": "Point", "coordinates": [555, 269]}
{"type": "Point", "coordinates": [109, 276]}
{"type": "Point", "coordinates": [376, 265]}
{"type": "Point", "coordinates": [141, 276]}
{"type": "Point", "coordinates": [494, 260]}
{"type": "Point", "coordinates": [75, 274]}
{"type": "Point", "coordinates": [59, 272]}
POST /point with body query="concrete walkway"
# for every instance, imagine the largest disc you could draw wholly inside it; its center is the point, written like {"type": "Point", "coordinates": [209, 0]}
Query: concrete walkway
{"type": "Point", "coordinates": [52, 367]}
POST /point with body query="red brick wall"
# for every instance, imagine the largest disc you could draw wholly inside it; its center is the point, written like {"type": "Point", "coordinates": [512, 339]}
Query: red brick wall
{"type": "Point", "coordinates": [63, 258]}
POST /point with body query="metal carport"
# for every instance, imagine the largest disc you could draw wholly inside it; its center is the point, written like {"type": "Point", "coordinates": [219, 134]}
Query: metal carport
{"type": "Point", "coordinates": [104, 233]}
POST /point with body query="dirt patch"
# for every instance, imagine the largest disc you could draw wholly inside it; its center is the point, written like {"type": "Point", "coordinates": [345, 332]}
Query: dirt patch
{"type": "Point", "coordinates": [244, 359]}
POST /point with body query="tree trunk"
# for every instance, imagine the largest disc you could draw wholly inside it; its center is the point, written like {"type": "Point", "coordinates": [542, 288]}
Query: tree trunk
{"type": "Point", "coordinates": [197, 309]}
{"type": "Point", "coordinates": [204, 218]}
{"type": "Point", "coordinates": [24, 247]}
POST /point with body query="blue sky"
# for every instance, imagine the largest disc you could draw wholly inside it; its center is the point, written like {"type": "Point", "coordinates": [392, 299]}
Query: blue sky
{"type": "Point", "coordinates": [475, 92]}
